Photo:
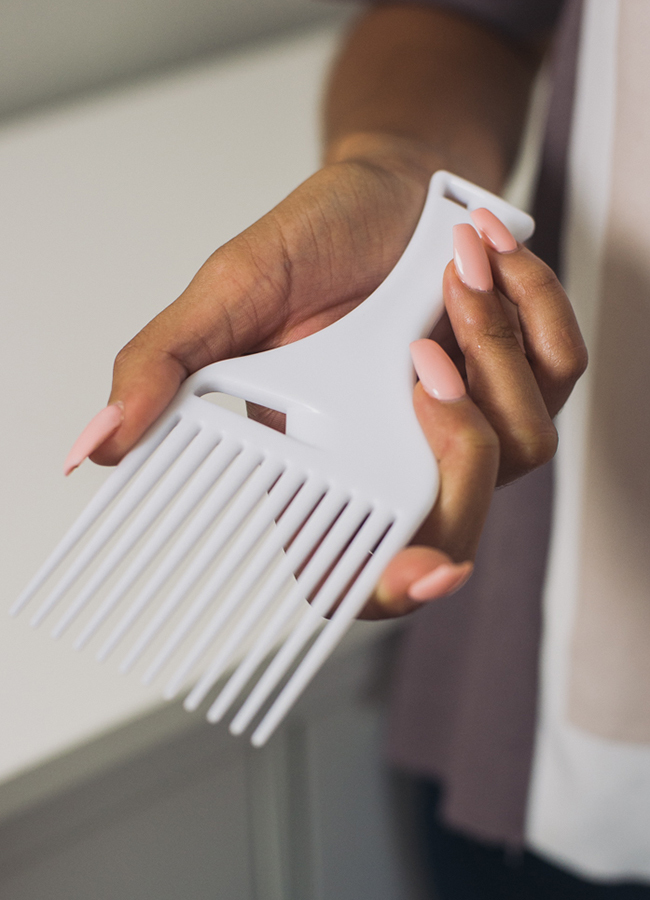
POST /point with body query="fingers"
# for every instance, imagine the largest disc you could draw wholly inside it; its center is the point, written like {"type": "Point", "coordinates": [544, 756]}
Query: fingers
{"type": "Point", "coordinates": [522, 353]}
{"type": "Point", "coordinates": [500, 378]}
{"type": "Point", "coordinates": [554, 345]}
{"type": "Point", "coordinates": [467, 450]}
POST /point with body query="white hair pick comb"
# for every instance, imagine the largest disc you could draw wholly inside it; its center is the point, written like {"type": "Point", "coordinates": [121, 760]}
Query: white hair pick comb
{"type": "Point", "coordinates": [216, 529]}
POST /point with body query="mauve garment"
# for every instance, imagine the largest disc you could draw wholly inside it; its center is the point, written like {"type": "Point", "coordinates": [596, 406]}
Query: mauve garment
{"type": "Point", "coordinates": [465, 693]}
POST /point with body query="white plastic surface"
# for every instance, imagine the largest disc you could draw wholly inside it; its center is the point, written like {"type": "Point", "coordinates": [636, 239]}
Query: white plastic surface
{"type": "Point", "coordinates": [330, 502]}
{"type": "Point", "coordinates": [317, 381]}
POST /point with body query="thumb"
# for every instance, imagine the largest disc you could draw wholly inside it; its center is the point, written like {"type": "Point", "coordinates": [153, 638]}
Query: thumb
{"type": "Point", "coordinates": [229, 308]}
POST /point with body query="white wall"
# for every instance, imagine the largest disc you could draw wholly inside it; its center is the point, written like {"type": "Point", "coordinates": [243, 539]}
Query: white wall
{"type": "Point", "coordinates": [53, 49]}
{"type": "Point", "coordinates": [108, 208]}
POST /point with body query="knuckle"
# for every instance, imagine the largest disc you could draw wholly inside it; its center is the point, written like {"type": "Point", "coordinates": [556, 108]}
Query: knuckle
{"type": "Point", "coordinates": [536, 447]}
{"type": "Point", "coordinates": [478, 437]}
{"type": "Point", "coordinates": [124, 355]}
{"type": "Point", "coordinates": [144, 348]}
{"type": "Point", "coordinates": [576, 364]}
{"type": "Point", "coordinates": [501, 333]}
{"type": "Point", "coordinates": [569, 363]}
{"type": "Point", "coordinates": [543, 280]}
{"type": "Point", "coordinates": [485, 334]}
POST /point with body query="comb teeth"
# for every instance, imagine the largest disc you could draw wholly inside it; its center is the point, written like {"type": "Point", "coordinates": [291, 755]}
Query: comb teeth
{"type": "Point", "coordinates": [217, 546]}
{"type": "Point", "coordinates": [191, 458]}
{"type": "Point", "coordinates": [213, 467]}
{"type": "Point", "coordinates": [315, 531]}
{"type": "Point", "coordinates": [168, 452]}
{"type": "Point", "coordinates": [239, 469]}
{"type": "Point", "coordinates": [265, 593]}
{"type": "Point", "coordinates": [102, 499]}
{"type": "Point", "coordinates": [270, 508]}
{"type": "Point", "coordinates": [271, 549]}
{"type": "Point", "coordinates": [352, 559]}
{"type": "Point", "coordinates": [390, 538]}
{"type": "Point", "coordinates": [262, 479]}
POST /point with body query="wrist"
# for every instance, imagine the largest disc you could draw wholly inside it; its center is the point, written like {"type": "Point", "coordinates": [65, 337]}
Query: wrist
{"type": "Point", "coordinates": [397, 154]}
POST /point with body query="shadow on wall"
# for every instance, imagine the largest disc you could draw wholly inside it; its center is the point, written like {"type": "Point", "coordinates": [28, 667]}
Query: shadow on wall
{"type": "Point", "coordinates": [53, 51]}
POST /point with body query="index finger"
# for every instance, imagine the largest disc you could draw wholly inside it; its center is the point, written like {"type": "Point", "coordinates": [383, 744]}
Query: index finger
{"type": "Point", "coordinates": [554, 345]}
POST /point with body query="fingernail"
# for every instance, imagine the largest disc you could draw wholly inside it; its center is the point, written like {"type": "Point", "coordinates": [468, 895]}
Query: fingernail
{"type": "Point", "coordinates": [444, 580]}
{"type": "Point", "coordinates": [95, 433]}
{"type": "Point", "coordinates": [439, 376]}
{"type": "Point", "coordinates": [493, 230]}
{"type": "Point", "coordinates": [471, 260]}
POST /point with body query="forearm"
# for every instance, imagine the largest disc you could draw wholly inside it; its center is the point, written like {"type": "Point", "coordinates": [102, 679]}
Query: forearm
{"type": "Point", "coordinates": [423, 89]}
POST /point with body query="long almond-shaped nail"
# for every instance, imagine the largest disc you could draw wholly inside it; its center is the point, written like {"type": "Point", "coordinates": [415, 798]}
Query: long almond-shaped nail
{"type": "Point", "coordinates": [444, 580]}
{"type": "Point", "coordinates": [95, 433]}
{"type": "Point", "coordinates": [493, 230]}
{"type": "Point", "coordinates": [439, 376]}
{"type": "Point", "coordinates": [470, 258]}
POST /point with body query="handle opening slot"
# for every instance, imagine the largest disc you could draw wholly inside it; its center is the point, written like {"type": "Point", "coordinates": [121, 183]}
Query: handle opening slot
{"type": "Point", "coordinates": [449, 194]}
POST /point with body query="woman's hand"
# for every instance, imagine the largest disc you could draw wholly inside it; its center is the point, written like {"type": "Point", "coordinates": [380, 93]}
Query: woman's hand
{"type": "Point", "coordinates": [306, 263]}
{"type": "Point", "coordinates": [311, 260]}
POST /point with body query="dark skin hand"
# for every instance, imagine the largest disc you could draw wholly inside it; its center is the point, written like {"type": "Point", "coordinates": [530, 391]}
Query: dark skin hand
{"type": "Point", "coordinates": [413, 91]}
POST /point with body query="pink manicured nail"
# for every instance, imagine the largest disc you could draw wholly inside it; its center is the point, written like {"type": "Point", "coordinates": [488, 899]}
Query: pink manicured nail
{"type": "Point", "coordinates": [493, 230]}
{"type": "Point", "coordinates": [439, 376]}
{"type": "Point", "coordinates": [95, 433]}
{"type": "Point", "coordinates": [471, 260]}
{"type": "Point", "coordinates": [445, 579]}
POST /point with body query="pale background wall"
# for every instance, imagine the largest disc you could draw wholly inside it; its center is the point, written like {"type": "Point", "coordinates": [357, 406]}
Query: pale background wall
{"type": "Point", "coordinates": [109, 205]}
{"type": "Point", "coordinates": [135, 136]}
{"type": "Point", "coordinates": [53, 49]}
